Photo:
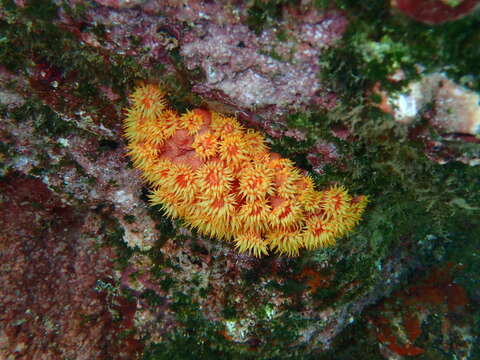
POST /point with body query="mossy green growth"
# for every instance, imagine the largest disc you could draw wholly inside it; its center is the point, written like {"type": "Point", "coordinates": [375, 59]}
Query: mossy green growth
{"type": "Point", "coordinates": [378, 42]}
{"type": "Point", "coordinates": [31, 41]}
{"type": "Point", "coordinates": [114, 237]}
{"type": "Point", "coordinates": [46, 121]}
{"type": "Point", "coordinates": [382, 161]}
{"type": "Point", "coordinates": [352, 343]}
{"type": "Point", "coordinates": [265, 13]}
{"type": "Point", "coordinates": [414, 202]}
{"type": "Point", "coordinates": [197, 337]}
{"type": "Point", "coordinates": [418, 209]}
{"type": "Point", "coordinates": [194, 338]}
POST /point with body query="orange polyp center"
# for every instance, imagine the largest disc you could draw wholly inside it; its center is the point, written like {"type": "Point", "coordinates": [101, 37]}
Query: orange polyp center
{"type": "Point", "coordinates": [182, 180]}
{"type": "Point", "coordinates": [285, 212]}
{"type": "Point", "coordinates": [193, 120]}
{"type": "Point", "coordinates": [337, 203]}
{"type": "Point", "coordinates": [233, 150]}
{"type": "Point", "coordinates": [213, 178]}
{"type": "Point", "coordinates": [218, 203]}
{"type": "Point", "coordinates": [318, 230]}
{"type": "Point", "coordinates": [228, 128]}
{"type": "Point", "coordinates": [147, 102]}
{"type": "Point", "coordinates": [208, 142]}
{"type": "Point", "coordinates": [277, 167]}
{"type": "Point", "coordinates": [256, 182]}
{"type": "Point", "coordinates": [142, 121]}
{"type": "Point", "coordinates": [164, 173]}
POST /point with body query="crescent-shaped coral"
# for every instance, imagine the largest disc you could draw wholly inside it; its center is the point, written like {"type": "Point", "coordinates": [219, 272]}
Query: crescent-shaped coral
{"type": "Point", "coordinates": [223, 180]}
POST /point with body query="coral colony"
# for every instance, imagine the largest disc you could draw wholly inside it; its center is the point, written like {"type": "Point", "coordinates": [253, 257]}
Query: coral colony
{"type": "Point", "coordinates": [222, 179]}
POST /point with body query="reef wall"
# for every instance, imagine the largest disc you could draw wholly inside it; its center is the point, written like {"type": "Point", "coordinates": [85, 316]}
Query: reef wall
{"type": "Point", "coordinates": [378, 96]}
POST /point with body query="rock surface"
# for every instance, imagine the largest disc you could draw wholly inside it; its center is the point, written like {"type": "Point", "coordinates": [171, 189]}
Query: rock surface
{"type": "Point", "coordinates": [90, 271]}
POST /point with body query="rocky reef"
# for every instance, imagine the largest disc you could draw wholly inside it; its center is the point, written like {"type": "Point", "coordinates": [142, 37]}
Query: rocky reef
{"type": "Point", "coordinates": [379, 96]}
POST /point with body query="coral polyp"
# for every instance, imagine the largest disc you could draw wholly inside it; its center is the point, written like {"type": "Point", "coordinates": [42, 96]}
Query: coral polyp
{"type": "Point", "coordinates": [148, 102]}
{"type": "Point", "coordinates": [223, 180]}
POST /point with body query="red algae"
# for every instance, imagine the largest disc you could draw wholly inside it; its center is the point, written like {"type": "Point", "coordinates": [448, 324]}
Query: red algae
{"type": "Point", "coordinates": [435, 11]}
{"type": "Point", "coordinates": [398, 321]}
{"type": "Point", "coordinates": [51, 309]}
{"type": "Point", "coordinates": [315, 279]}
{"type": "Point", "coordinates": [412, 325]}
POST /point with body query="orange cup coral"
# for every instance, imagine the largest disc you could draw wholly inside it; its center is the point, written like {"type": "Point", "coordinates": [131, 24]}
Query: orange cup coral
{"type": "Point", "coordinates": [222, 180]}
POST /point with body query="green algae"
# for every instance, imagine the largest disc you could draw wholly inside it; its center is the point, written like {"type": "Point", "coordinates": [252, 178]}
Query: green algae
{"type": "Point", "coordinates": [413, 201]}
{"type": "Point", "coordinates": [261, 14]}
{"type": "Point", "coordinates": [378, 42]}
